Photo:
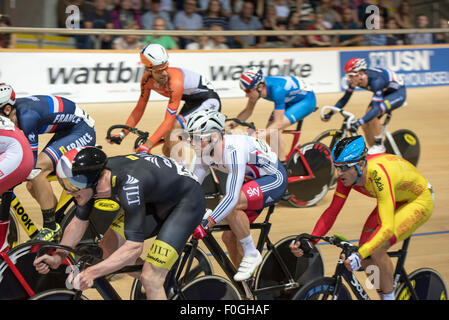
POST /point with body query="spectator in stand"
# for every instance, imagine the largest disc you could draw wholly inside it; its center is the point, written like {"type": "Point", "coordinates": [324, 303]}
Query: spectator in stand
{"type": "Point", "coordinates": [225, 8]}
{"type": "Point", "coordinates": [293, 24]}
{"type": "Point", "coordinates": [281, 8]}
{"type": "Point", "coordinates": [99, 18]}
{"type": "Point", "coordinates": [383, 10]}
{"type": "Point", "coordinates": [404, 15]}
{"type": "Point", "coordinates": [376, 39]}
{"type": "Point", "coordinates": [347, 23]}
{"type": "Point", "coordinates": [155, 11]}
{"type": "Point", "coordinates": [188, 19]}
{"type": "Point", "coordinates": [345, 4]}
{"type": "Point", "coordinates": [319, 40]}
{"type": "Point", "coordinates": [166, 41]}
{"type": "Point", "coordinates": [7, 40]}
{"type": "Point", "coordinates": [215, 16]}
{"type": "Point", "coordinates": [124, 15]}
{"type": "Point", "coordinates": [362, 15]}
{"type": "Point", "coordinates": [330, 16]}
{"type": "Point", "coordinates": [246, 20]}
{"type": "Point", "coordinates": [209, 42]}
{"type": "Point", "coordinates": [442, 37]}
{"type": "Point", "coordinates": [128, 42]}
{"type": "Point", "coordinates": [394, 39]}
{"type": "Point", "coordinates": [272, 22]}
{"type": "Point", "coordinates": [422, 22]}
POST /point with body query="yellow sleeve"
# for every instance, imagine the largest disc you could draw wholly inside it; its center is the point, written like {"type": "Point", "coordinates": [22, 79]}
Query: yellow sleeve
{"type": "Point", "coordinates": [384, 191]}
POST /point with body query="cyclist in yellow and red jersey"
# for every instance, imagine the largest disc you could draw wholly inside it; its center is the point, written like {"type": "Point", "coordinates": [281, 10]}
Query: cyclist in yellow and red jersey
{"type": "Point", "coordinates": [404, 203]}
{"type": "Point", "coordinates": [177, 84]}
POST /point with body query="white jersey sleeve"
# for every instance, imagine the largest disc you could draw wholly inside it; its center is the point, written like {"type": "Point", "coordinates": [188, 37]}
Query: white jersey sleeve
{"type": "Point", "coordinates": [235, 159]}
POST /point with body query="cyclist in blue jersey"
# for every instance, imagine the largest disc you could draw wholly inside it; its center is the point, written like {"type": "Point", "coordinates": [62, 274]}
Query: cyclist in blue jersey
{"type": "Point", "coordinates": [293, 101]}
{"type": "Point", "coordinates": [389, 94]}
{"type": "Point", "coordinates": [72, 128]}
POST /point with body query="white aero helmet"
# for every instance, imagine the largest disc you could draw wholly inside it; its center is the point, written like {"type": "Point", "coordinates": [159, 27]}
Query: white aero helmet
{"type": "Point", "coordinates": [205, 122]}
{"type": "Point", "coordinates": [7, 95]}
{"type": "Point", "coordinates": [154, 56]}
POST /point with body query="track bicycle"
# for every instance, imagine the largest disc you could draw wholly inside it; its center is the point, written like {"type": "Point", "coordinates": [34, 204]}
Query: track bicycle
{"type": "Point", "coordinates": [18, 278]}
{"type": "Point", "coordinates": [279, 275]}
{"type": "Point", "coordinates": [103, 214]}
{"type": "Point", "coordinates": [421, 284]}
{"type": "Point", "coordinates": [402, 142]}
{"type": "Point", "coordinates": [309, 168]}
{"type": "Point", "coordinates": [219, 287]}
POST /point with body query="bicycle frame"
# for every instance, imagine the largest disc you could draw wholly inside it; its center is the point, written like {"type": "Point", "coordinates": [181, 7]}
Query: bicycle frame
{"type": "Point", "coordinates": [24, 218]}
{"type": "Point", "coordinates": [359, 290]}
{"type": "Point", "coordinates": [227, 266]}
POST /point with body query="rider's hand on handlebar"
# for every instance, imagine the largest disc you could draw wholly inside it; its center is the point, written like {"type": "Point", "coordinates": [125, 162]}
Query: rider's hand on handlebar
{"type": "Point", "coordinates": [231, 125]}
{"type": "Point", "coordinates": [300, 248]}
{"type": "Point", "coordinates": [143, 148]}
{"type": "Point", "coordinates": [327, 116]}
{"type": "Point", "coordinates": [46, 262]}
{"type": "Point", "coordinates": [353, 262]}
{"type": "Point", "coordinates": [116, 138]}
{"type": "Point", "coordinates": [355, 126]}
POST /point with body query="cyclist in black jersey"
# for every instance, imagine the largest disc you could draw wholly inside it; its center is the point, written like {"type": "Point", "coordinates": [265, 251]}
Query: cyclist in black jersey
{"type": "Point", "coordinates": [158, 197]}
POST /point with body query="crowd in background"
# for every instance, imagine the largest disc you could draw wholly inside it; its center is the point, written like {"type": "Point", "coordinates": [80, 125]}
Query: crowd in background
{"type": "Point", "coordinates": [242, 15]}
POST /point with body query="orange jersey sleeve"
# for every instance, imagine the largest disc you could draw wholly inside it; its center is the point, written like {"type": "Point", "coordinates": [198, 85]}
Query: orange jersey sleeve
{"type": "Point", "coordinates": [173, 89]}
{"type": "Point", "coordinates": [139, 109]}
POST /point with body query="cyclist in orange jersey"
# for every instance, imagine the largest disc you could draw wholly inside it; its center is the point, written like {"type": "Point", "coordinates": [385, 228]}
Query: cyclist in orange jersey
{"type": "Point", "coordinates": [178, 85]}
{"type": "Point", "coordinates": [405, 202]}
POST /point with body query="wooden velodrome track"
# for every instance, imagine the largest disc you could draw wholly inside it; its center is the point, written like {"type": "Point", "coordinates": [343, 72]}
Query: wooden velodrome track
{"type": "Point", "coordinates": [427, 114]}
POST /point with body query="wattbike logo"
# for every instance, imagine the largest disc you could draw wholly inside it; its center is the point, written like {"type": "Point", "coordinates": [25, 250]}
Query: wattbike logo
{"type": "Point", "coordinates": [270, 67]}
{"type": "Point", "coordinates": [113, 72]}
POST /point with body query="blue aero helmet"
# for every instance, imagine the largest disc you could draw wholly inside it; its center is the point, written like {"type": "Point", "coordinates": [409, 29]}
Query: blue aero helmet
{"type": "Point", "coordinates": [347, 153]}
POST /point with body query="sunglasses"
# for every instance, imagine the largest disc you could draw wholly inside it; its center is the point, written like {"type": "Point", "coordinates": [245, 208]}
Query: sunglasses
{"type": "Point", "coordinates": [344, 166]}
{"type": "Point", "coordinates": [197, 138]}
{"type": "Point", "coordinates": [159, 68]}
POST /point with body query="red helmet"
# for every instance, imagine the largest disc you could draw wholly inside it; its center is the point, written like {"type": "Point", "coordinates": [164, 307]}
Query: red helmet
{"type": "Point", "coordinates": [355, 65]}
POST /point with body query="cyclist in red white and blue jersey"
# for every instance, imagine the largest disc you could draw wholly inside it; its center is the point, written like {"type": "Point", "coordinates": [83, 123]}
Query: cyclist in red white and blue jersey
{"type": "Point", "coordinates": [72, 127]}
{"type": "Point", "coordinates": [293, 101]}
{"type": "Point", "coordinates": [388, 94]}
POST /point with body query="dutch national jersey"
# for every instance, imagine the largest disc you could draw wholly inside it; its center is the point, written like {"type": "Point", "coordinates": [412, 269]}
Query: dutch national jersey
{"type": "Point", "coordinates": [285, 90]}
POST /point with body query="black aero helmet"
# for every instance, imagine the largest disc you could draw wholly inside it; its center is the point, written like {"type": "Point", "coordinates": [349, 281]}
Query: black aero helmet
{"type": "Point", "coordinates": [80, 168]}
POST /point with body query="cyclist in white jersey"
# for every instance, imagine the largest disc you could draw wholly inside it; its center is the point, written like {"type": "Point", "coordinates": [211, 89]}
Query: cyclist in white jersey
{"type": "Point", "coordinates": [243, 158]}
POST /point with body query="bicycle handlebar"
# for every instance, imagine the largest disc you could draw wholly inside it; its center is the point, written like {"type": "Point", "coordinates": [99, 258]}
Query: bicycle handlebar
{"type": "Point", "coordinates": [349, 117]}
{"type": "Point", "coordinates": [142, 135]}
{"type": "Point", "coordinates": [335, 240]}
{"type": "Point", "coordinates": [242, 123]}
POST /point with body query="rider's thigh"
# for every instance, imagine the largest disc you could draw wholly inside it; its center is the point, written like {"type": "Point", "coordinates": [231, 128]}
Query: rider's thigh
{"type": "Point", "coordinates": [110, 242]}
{"type": "Point", "coordinates": [411, 216]}
{"type": "Point", "coordinates": [242, 203]}
{"type": "Point", "coordinates": [45, 164]}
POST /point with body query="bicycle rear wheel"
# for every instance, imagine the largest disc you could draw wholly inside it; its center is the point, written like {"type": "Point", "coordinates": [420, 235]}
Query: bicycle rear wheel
{"type": "Point", "coordinates": [307, 193]}
{"type": "Point", "coordinates": [209, 288]}
{"type": "Point", "coordinates": [302, 270]}
{"type": "Point", "coordinates": [329, 137]}
{"type": "Point", "coordinates": [23, 256]}
{"type": "Point", "coordinates": [57, 294]}
{"type": "Point", "coordinates": [407, 143]}
{"type": "Point", "coordinates": [323, 289]}
{"type": "Point", "coordinates": [427, 283]}
{"type": "Point", "coordinates": [201, 266]}
{"type": "Point", "coordinates": [13, 236]}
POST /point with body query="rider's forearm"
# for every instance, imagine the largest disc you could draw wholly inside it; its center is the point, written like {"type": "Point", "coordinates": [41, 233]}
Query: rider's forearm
{"type": "Point", "coordinates": [73, 234]}
{"type": "Point", "coordinates": [126, 255]}
{"type": "Point", "coordinates": [344, 100]}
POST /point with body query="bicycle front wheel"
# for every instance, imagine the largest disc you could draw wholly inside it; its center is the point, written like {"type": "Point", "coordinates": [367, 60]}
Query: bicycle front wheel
{"type": "Point", "coordinates": [306, 193]}
{"type": "Point", "coordinates": [201, 266]}
{"type": "Point", "coordinates": [427, 283]}
{"type": "Point", "coordinates": [300, 270]}
{"type": "Point", "coordinates": [57, 294]}
{"type": "Point", "coordinates": [329, 137]}
{"type": "Point", "coordinates": [408, 144]}
{"type": "Point", "coordinates": [323, 289]}
{"type": "Point", "coordinates": [209, 288]}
